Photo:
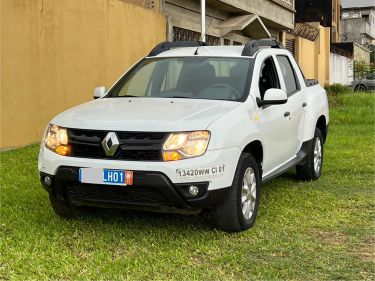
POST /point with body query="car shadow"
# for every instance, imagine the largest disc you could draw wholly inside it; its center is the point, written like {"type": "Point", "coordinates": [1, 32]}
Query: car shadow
{"type": "Point", "coordinates": [203, 221]}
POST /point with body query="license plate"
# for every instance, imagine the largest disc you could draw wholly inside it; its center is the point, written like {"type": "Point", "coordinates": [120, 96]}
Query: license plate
{"type": "Point", "coordinates": [105, 176]}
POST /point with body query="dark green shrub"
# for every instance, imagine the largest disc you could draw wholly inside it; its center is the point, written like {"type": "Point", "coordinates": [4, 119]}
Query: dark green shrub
{"type": "Point", "coordinates": [336, 89]}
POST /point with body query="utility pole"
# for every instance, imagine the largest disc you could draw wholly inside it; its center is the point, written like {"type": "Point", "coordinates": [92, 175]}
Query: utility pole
{"type": "Point", "coordinates": [203, 20]}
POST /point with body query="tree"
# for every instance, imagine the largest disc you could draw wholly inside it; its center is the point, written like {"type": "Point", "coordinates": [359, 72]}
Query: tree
{"type": "Point", "coordinates": [362, 69]}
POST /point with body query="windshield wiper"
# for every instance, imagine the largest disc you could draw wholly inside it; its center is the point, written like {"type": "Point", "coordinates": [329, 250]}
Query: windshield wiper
{"type": "Point", "coordinates": [179, 97]}
{"type": "Point", "coordinates": [127, 96]}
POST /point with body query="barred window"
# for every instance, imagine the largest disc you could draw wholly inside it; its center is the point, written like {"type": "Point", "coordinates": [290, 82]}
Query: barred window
{"type": "Point", "coordinates": [182, 34]}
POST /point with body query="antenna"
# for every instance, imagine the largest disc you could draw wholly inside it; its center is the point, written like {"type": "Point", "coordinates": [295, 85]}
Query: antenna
{"type": "Point", "coordinates": [201, 43]}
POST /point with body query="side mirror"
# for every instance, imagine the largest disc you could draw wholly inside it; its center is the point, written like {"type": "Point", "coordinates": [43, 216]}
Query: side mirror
{"type": "Point", "coordinates": [100, 92]}
{"type": "Point", "coordinates": [272, 97]}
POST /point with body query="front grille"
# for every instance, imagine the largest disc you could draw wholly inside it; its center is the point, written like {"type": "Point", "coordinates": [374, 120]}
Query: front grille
{"type": "Point", "coordinates": [115, 194]}
{"type": "Point", "coordinates": [134, 146]}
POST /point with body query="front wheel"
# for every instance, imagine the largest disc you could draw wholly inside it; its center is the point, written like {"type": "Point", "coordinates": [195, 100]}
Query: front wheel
{"type": "Point", "coordinates": [311, 169]}
{"type": "Point", "coordinates": [238, 212]}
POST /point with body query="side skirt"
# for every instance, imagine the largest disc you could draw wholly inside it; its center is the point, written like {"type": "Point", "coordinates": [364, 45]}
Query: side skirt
{"type": "Point", "coordinates": [299, 159]}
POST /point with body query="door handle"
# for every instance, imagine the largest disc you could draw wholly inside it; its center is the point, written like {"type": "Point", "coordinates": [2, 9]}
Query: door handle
{"type": "Point", "coordinates": [287, 114]}
{"type": "Point", "coordinates": [304, 104]}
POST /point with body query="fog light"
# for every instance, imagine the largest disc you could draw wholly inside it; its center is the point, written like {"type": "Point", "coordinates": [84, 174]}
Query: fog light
{"type": "Point", "coordinates": [193, 190]}
{"type": "Point", "coordinates": [47, 180]}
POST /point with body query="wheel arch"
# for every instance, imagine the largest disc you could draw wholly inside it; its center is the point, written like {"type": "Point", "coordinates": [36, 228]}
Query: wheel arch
{"type": "Point", "coordinates": [321, 124]}
{"type": "Point", "coordinates": [255, 148]}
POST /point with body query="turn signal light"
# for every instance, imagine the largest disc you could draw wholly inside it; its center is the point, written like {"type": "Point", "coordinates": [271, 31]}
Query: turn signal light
{"type": "Point", "coordinates": [63, 150]}
{"type": "Point", "coordinates": [171, 156]}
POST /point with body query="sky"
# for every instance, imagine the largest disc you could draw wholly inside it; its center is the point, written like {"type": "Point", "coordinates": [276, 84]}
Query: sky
{"type": "Point", "coordinates": [357, 3]}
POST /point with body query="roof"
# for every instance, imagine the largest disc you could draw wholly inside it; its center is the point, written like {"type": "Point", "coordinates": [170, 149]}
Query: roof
{"type": "Point", "coordinates": [357, 3]}
{"type": "Point", "coordinates": [251, 25]}
{"type": "Point", "coordinates": [219, 51]}
{"type": "Point", "coordinates": [210, 51]}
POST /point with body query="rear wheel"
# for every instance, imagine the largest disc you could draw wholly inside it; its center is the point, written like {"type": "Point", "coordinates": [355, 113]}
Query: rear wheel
{"type": "Point", "coordinates": [311, 169]}
{"type": "Point", "coordinates": [238, 212]}
{"type": "Point", "coordinates": [360, 88]}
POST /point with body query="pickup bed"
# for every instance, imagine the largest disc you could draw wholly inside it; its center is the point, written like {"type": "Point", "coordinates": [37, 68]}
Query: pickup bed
{"type": "Point", "coordinates": [188, 128]}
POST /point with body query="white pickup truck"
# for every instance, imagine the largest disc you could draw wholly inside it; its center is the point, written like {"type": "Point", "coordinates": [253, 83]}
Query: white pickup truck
{"type": "Point", "coordinates": [189, 127]}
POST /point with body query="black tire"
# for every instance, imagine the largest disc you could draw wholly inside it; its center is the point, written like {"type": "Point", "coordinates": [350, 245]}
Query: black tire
{"type": "Point", "coordinates": [360, 88]}
{"type": "Point", "coordinates": [306, 171]}
{"type": "Point", "coordinates": [228, 215]}
{"type": "Point", "coordinates": [64, 209]}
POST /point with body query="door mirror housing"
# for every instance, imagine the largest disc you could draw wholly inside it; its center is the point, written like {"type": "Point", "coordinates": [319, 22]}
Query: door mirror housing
{"type": "Point", "coordinates": [100, 92]}
{"type": "Point", "coordinates": [273, 97]}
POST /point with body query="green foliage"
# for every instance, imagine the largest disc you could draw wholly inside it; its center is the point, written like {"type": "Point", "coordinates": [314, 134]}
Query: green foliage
{"type": "Point", "coordinates": [363, 69]}
{"type": "Point", "coordinates": [321, 230]}
{"type": "Point", "coordinates": [336, 89]}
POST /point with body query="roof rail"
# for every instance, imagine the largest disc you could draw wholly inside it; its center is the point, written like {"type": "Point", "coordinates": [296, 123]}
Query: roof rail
{"type": "Point", "coordinates": [166, 46]}
{"type": "Point", "coordinates": [253, 46]}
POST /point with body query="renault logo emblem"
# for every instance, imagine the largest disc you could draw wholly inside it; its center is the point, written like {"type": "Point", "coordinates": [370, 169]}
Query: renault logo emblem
{"type": "Point", "coordinates": [110, 144]}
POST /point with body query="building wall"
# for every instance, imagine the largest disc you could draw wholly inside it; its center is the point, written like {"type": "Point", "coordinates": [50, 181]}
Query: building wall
{"type": "Point", "coordinates": [53, 54]}
{"type": "Point", "coordinates": [335, 32]}
{"type": "Point", "coordinates": [361, 54]}
{"type": "Point", "coordinates": [313, 56]}
{"type": "Point", "coordinates": [358, 25]}
{"type": "Point", "coordinates": [277, 13]}
{"type": "Point", "coordinates": [341, 70]}
{"type": "Point", "coordinates": [185, 14]}
{"type": "Point", "coordinates": [308, 63]}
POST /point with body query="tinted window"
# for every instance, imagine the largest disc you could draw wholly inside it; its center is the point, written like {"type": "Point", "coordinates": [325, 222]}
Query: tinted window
{"type": "Point", "coordinates": [187, 77]}
{"type": "Point", "coordinates": [268, 77]}
{"type": "Point", "coordinates": [288, 74]}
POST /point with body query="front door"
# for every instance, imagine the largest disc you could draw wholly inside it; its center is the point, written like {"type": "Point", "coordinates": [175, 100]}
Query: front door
{"type": "Point", "coordinates": [274, 121]}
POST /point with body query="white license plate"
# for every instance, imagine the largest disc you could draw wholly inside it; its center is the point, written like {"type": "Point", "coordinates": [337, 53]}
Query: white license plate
{"type": "Point", "coordinates": [105, 176]}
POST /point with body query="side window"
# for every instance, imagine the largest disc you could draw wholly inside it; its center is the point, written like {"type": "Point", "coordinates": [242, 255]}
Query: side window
{"type": "Point", "coordinates": [289, 75]}
{"type": "Point", "coordinates": [268, 77]}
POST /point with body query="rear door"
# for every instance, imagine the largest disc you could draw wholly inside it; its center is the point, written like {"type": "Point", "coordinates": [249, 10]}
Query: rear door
{"type": "Point", "coordinates": [296, 100]}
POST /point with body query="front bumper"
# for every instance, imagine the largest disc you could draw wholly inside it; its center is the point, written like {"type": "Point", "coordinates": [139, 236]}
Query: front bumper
{"type": "Point", "coordinates": [157, 185]}
{"type": "Point", "coordinates": [49, 163]}
{"type": "Point", "coordinates": [150, 191]}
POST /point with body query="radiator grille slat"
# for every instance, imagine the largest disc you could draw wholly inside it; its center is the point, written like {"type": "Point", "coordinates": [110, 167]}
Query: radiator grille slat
{"type": "Point", "coordinates": [134, 146]}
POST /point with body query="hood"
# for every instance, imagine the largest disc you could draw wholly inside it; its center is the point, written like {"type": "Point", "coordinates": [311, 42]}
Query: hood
{"type": "Point", "coordinates": [144, 114]}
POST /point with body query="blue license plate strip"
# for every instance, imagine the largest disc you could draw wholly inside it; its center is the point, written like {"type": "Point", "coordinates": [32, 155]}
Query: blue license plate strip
{"type": "Point", "coordinates": [105, 176]}
{"type": "Point", "coordinates": [114, 176]}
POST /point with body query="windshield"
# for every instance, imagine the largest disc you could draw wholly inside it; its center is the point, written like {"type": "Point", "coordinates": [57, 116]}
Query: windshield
{"type": "Point", "coordinates": [189, 77]}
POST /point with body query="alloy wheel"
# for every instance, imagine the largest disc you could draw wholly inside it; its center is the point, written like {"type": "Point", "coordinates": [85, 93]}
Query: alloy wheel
{"type": "Point", "coordinates": [248, 193]}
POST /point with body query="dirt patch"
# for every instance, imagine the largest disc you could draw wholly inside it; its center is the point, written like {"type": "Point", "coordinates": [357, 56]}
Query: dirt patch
{"type": "Point", "coordinates": [366, 250]}
{"type": "Point", "coordinates": [331, 237]}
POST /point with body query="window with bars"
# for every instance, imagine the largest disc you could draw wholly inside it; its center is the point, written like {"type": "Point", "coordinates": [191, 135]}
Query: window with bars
{"type": "Point", "coordinates": [182, 34]}
{"type": "Point", "coordinates": [290, 46]}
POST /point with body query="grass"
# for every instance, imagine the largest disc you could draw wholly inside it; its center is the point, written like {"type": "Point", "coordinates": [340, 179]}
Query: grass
{"type": "Point", "coordinates": [304, 231]}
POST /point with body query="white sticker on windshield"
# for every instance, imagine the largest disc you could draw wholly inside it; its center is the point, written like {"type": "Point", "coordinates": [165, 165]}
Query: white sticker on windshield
{"type": "Point", "coordinates": [200, 173]}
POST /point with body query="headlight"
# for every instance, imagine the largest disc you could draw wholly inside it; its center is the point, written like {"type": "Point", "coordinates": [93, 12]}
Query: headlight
{"type": "Point", "coordinates": [185, 145]}
{"type": "Point", "coordinates": [56, 140]}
